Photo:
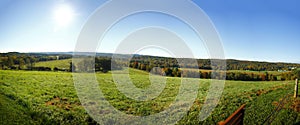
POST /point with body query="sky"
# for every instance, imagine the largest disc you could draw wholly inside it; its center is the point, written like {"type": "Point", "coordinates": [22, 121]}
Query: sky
{"type": "Point", "coordinates": [255, 30]}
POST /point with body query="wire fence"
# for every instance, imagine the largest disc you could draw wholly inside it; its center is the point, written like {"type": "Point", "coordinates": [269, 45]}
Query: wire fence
{"type": "Point", "coordinates": [272, 107]}
{"type": "Point", "coordinates": [271, 117]}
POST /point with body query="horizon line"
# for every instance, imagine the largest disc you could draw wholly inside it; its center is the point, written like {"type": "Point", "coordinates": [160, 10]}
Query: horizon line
{"type": "Point", "coordinates": [155, 56]}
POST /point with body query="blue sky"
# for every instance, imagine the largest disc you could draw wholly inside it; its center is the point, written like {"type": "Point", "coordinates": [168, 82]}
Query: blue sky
{"type": "Point", "coordinates": [264, 30]}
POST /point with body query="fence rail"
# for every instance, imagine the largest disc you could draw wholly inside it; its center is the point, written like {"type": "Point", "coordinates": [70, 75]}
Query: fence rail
{"type": "Point", "coordinates": [236, 118]}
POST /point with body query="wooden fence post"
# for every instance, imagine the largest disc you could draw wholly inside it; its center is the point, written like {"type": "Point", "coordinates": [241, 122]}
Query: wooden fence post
{"type": "Point", "coordinates": [296, 89]}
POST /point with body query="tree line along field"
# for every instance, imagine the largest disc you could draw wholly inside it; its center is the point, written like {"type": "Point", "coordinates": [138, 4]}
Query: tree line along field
{"type": "Point", "coordinates": [25, 61]}
{"type": "Point", "coordinates": [33, 97]}
{"type": "Point", "coordinates": [236, 69]}
{"type": "Point", "coordinates": [243, 75]}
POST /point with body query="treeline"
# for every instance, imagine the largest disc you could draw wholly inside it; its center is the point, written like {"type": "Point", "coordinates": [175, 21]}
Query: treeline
{"type": "Point", "coordinates": [157, 65]}
{"type": "Point", "coordinates": [164, 62]}
{"type": "Point", "coordinates": [260, 66]}
{"type": "Point", "coordinates": [230, 75]}
{"type": "Point", "coordinates": [14, 60]}
{"type": "Point", "coordinates": [26, 61]}
{"type": "Point", "coordinates": [170, 67]}
{"type": "Point", "coordinates": [99, 64]}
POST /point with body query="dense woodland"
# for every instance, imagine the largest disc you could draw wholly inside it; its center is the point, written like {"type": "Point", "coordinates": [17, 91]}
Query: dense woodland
{"type": "Point", "coordinates": [236, 69]}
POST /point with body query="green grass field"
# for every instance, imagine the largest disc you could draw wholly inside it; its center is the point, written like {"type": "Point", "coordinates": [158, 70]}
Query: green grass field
{"type": "Point", "coordinates": [31, 97]}
{"type": "Point", "coordinates": [61, 64]}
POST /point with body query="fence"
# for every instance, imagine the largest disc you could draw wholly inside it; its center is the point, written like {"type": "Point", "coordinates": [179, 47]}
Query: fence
{"type": "Point", "coordinates": [296, 89]}
{"type": "Point", "coordinates": [236, 118]}
{"type": "Point", "coordinates": [261, 114]}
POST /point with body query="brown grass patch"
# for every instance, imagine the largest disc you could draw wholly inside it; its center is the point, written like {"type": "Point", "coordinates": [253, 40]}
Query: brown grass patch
{"type": "Point", "coordinates": [295, 105]}
{"type": "Point", "coordinates": [61, 103]}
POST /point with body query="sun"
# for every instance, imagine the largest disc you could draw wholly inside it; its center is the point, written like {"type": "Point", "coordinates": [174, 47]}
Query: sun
{"type": "Point", "coordinates": [63, 15]}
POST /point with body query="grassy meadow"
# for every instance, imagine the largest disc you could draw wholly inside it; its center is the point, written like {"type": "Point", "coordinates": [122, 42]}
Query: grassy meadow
{"type": "Point", "coordinates": [32, 97]}
{"type": "Point", "coordinates": [61, 64]}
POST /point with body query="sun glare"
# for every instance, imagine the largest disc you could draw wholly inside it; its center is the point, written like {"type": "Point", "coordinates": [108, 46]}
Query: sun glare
{"type": "Point", "coordinates": [63, 15]}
